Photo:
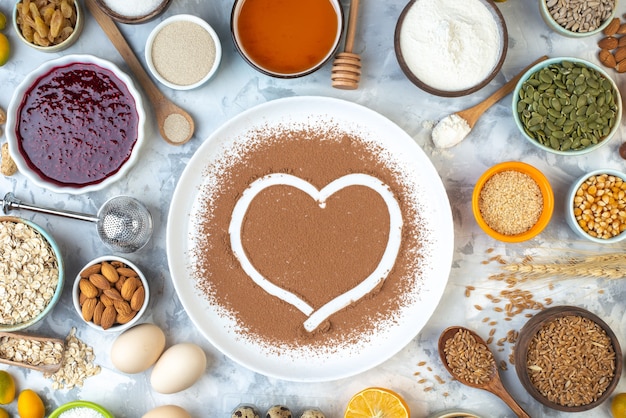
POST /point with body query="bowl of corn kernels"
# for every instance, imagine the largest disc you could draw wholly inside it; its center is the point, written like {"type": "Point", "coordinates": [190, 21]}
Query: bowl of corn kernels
{"type": "Point", "coordinates": [596, 206]}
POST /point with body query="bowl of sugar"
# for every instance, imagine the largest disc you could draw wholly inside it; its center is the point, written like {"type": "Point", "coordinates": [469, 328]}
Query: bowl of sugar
{"type": "Point", "coordinates": [183, 52]}
{"type": "Point", "coordinates": [135, 11]}
{"type": "Point", "coordinates": [450, 48]}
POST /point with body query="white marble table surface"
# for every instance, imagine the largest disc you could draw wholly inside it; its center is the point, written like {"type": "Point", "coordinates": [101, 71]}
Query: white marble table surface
{"type": "Point", "coordinates": [385, 89]}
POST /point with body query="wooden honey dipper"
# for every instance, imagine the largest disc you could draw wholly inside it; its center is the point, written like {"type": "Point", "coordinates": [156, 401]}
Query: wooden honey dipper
{"type": "Point", "coordinates": [346, 70]}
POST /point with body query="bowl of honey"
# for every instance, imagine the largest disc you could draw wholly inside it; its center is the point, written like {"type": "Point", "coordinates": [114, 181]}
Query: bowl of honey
{"type": "Point", "coordinates": [287, 39]}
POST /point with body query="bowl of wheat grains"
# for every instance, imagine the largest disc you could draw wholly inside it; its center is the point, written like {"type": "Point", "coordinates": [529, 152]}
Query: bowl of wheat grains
{"type": "Point", "coordinates": [568, 358]}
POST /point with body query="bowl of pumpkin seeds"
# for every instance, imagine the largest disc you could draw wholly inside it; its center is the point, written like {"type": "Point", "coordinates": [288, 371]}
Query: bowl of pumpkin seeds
{"type": "Point", "coordinates": [567, 106]}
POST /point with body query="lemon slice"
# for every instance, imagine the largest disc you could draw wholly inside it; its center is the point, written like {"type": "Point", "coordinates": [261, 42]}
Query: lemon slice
{"type": "Point", "coordinates": [377, 403]}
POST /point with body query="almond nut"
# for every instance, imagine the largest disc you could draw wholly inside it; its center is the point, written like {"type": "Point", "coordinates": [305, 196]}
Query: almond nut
{"type": "Point", "coordinates": [106, 301]}
{"type": "Point", "coordinates": [97, 313]}
{"type": "Point", "coordinates": [606, 58]}
{"type": "Point", "coordinates": [130, 285]}
{"type": "Point", "coordinates": [621, 66]}
{"type": "Point", "coordinates": [88, 271]}
{"type": "Point", "coordinates": [122, 307]}
{"type": "Point", "coordinates": [114, 294]}
{"type": "Point", "coordinates": [125, 318]}
{"type": "Point", "coordinates": [609, 42]}
{"type": "Point", "coordinates": [620, 53]}
{"type": "Point", "coordinates": [622, 29]}
{"type": "Point", "coordinates": [110, 272]}
{"type": "Point", "coordinates": [621, 41]}
{"type": "Point", "coordinates": [612, 28]}
{"type": "Point", "coordinates": [88, 308]}
{"type": "Point", "coordinates": [99, 281]}
{"type": "Point", "coordinates": [126, 271]}
{"type": "Point", "coordinates": [120, 283]}
{"type": "Point", "coordinates": [88, 288]}
{"type": "Point", "coordinates": [136, 302]}
{"type": "Point", "coordinates": [109, 316]}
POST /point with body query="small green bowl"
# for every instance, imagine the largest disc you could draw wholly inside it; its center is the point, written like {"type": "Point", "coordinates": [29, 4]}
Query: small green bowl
{"type": "Point", "coordinates": [579, 62]}
{"type": "Point", "coordinates": [552, 23]}
{"type": "Point", "coordinates": [80, 404]}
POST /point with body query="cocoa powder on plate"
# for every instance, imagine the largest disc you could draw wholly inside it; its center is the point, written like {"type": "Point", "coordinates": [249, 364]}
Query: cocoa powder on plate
{"type": "Point", "coordinates": [315, 253]}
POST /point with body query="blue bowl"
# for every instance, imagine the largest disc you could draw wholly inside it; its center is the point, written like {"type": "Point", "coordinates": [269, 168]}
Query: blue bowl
{"type": "Point", "coordinates": [59, 288]}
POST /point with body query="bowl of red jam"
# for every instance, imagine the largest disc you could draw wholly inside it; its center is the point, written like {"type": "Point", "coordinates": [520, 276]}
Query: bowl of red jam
{"type": "Point", "coordinates": [75, 124]}
{"type": "Point", "coordinates": [286, 39]}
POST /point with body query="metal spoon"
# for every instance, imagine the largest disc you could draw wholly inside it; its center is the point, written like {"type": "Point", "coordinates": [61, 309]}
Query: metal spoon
{"type": "Point", "coordinates": [445, 135]}
{"type": "Point", "coordinates": [167, 113]}
{"type": "Point", "coordinates": [124, 224]}
{"type": "Point", "coordinates": [493, 385]}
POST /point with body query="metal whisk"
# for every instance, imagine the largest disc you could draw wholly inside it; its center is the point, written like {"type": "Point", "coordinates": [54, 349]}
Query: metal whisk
{"type": "Point", "coordinates": [124, 224]}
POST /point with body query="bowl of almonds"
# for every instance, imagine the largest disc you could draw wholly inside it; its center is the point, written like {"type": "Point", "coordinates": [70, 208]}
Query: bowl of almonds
{"type": "Point", "coordinates": [48, 25]}
{"type": "Point", "coordinates": [110, 293]}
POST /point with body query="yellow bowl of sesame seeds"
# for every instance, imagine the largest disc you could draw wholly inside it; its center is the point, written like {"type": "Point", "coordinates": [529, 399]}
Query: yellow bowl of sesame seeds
{"type": "Point", "coordinates": [512, 201]}
{"type": "Point", "coordinates": [596, 206]}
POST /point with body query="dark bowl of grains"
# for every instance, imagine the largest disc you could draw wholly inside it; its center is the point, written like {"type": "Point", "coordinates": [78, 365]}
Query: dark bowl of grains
{"type": "Point", "coordinates": [568, 359]}
{"type": "Point", "coordinates": [31, 273]}
{"type": "Point", "coordinates": [567, 106]}
{"type": "Point", "coordinates": [595, 206]}
{"type": "Point", "coordinates": [573, 18]}
{"type": "Point", "coordinates": [512, 202]}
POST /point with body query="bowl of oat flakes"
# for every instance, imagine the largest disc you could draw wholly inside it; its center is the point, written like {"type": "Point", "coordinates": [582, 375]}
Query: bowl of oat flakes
{"type": "Point", "coordinates": [31, 273]}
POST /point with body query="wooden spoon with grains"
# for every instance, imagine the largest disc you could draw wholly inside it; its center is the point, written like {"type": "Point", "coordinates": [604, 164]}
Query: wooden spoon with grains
{"type": "Point", "coordinates": [175, 125]}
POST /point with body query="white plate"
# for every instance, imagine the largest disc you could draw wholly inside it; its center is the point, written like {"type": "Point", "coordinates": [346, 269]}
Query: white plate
{"type": "Point", "coordinates": [435, 213]}
{"type": "Point", "coordinates": [29, 81]}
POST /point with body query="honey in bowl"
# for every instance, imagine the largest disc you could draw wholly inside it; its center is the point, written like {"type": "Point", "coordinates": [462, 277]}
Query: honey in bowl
{"type": "Point", "coordinates": [287, 38]}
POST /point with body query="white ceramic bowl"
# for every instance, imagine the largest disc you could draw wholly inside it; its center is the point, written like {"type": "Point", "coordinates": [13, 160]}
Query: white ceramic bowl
{"type": "Point", "coordinates": [78, 27]}
{"type": "Point", "coordinates": [578, 61]}
{"type": "Point", "coordinates": [182, 64]}
{"type": "Point", "coordinates": [61, 275]}
{"type": "Point", "coordinates": [552, 24]}
{"type": "Point", "coordinates": [570, 216]}
{"type": "Point", "coordinates": [13, 118]}
{"type": "Point", "coordinates": [116, 327]}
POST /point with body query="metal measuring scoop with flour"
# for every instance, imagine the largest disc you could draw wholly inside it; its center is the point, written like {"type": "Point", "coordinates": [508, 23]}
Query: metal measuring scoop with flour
{"type": "Point", "coordinates": [452, 129]}
{"type": "Point", "coordinates": [124, 224]}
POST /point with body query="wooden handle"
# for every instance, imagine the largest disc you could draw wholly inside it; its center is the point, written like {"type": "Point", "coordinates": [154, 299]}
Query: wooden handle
{"type": "Point", "coordinates": [496, 387]}
{"type": "Point", "coordinates": [118, 40]}
{"type": "Point", "coordinates": [472, 114]}
{"type": "Point", "coordinates": [354, 13]}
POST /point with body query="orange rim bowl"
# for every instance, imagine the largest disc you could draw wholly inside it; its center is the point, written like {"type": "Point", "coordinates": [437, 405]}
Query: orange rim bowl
{"type": "Point", "coordinates": [546, 193]}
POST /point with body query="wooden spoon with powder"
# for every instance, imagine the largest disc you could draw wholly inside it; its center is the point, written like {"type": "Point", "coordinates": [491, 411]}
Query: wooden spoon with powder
{"type": "Point", "coordinates": [175, 125]}
{"type": "Point", "coordinates": [452, 129]}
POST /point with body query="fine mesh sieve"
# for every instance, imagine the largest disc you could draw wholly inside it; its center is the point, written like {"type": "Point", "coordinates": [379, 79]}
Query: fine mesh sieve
{"type": "Point", "coordinates": [124, 224]}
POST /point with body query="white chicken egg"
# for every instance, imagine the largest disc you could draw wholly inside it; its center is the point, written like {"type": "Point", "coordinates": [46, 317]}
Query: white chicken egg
{"type": "Point", "coordinates": [167, 411]}
{"type": "Point", "coordinates": [137, 348]}
{"type": "Point", "coordinates": [178, 368]}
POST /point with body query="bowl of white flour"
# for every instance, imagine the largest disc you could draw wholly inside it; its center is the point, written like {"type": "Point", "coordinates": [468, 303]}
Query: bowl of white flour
{"type": "Point", "coordinates": [450, 48]}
